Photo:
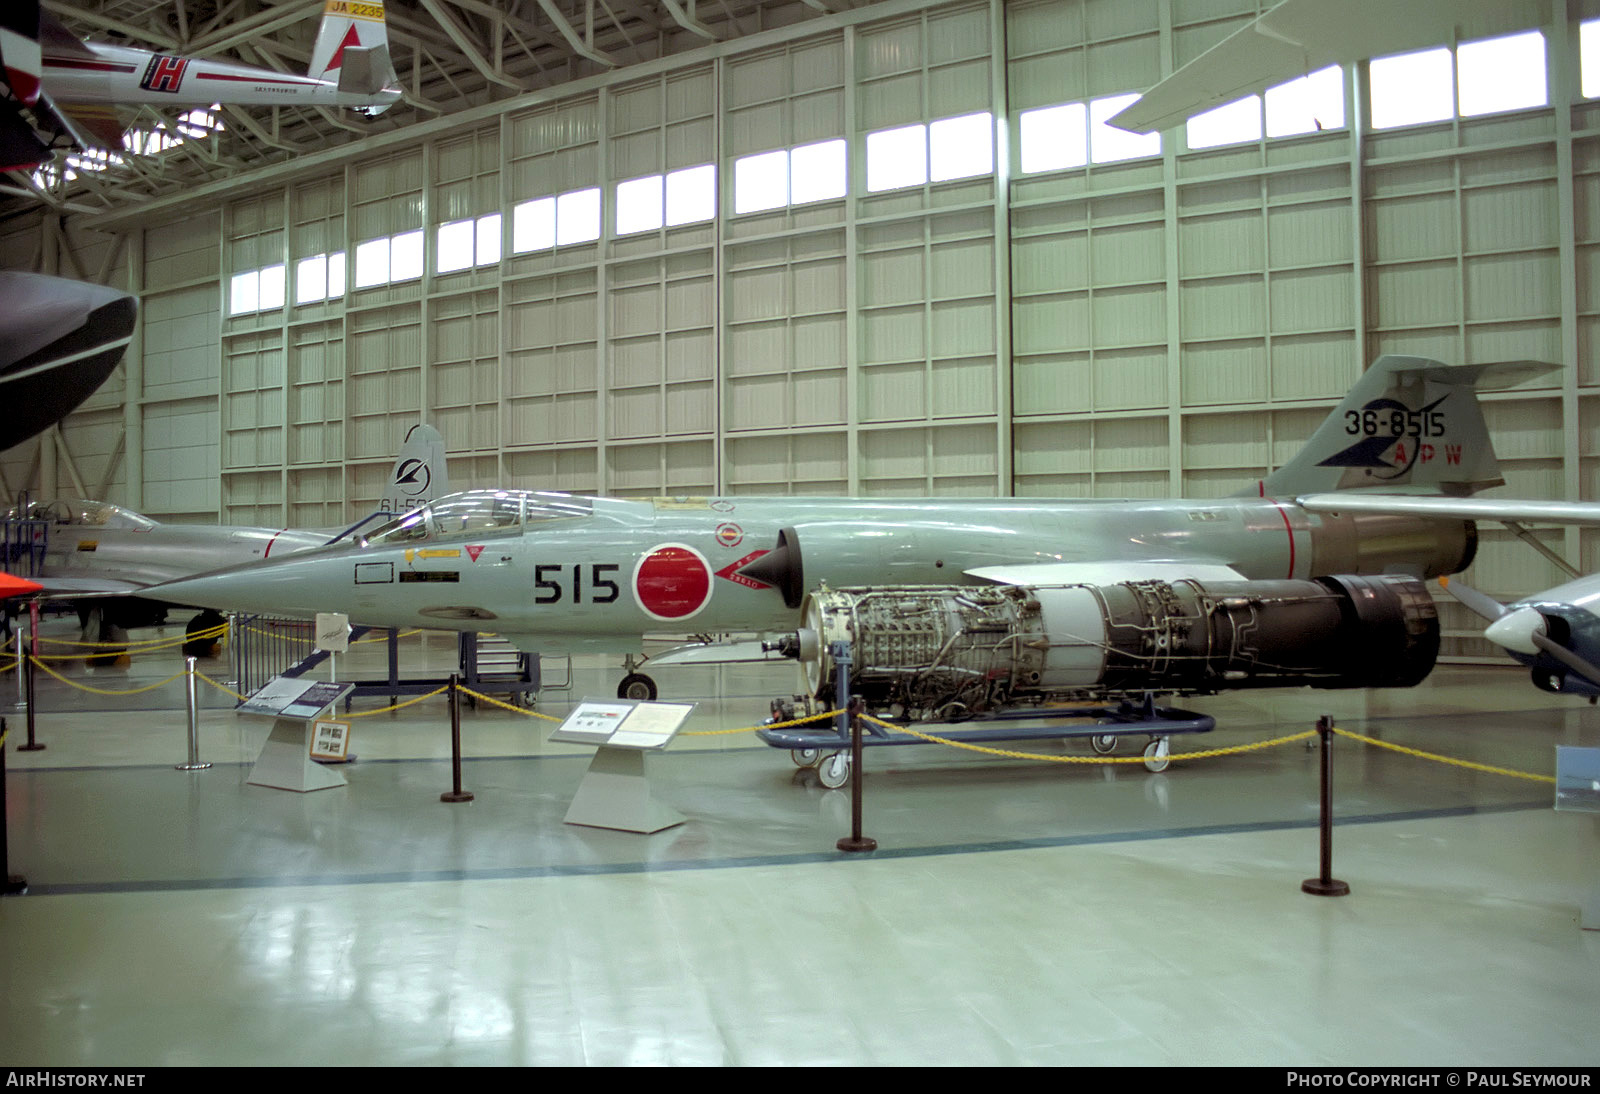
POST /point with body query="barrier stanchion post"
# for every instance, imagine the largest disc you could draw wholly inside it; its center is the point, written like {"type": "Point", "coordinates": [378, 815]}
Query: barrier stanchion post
{"type": "Point", "coordinates": [22, 671]}
{"type": "Point", "coordinates": [855, 841]}
{"type": "Point", "coordinates": [456, 794]}
{"type": "Point", "coordinates": [194, 763]}
{"type": "Point", "coordinates": [1325, 884]}
{"type": "Point", "coordinates": [33, 651]}
{"type": "Point", "coordinates": [10, 884]}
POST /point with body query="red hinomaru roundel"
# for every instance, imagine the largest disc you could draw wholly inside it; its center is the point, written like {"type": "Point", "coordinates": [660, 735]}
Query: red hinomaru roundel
{"type": "Point", "coordinates": [672, 581]}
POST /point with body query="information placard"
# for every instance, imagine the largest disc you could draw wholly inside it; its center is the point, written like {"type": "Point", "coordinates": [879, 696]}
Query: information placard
{"type": "Point", "coordinates": [292, 697]}
{"type": "Point", "coordinates": [622, 724]}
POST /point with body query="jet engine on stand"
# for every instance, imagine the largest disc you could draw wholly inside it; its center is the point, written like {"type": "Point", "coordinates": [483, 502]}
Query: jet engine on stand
{"type": "Point", "coordinates": [946, 653]}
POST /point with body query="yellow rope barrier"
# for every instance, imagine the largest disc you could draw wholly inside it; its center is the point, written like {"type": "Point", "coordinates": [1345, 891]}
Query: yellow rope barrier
{"type": "Point", "coordinates": [224, 688]}
{"type": "Point", "coordinates": [508, 706]}
{"type": "Point", "coordinates": [103, 691]}
{"type": "Point", "coordinates": [1014, 754]}
{"type": "Point", "coordinates": [140, 646]}
{"type": "Point", "coordinates": [398, 706]}
{"type": "Point", "coordinates": [756, 729]}
{"type": "Point", "coordinates": [1446, 759]}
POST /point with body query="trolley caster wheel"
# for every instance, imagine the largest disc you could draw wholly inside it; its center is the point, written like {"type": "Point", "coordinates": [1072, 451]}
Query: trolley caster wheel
{"type": "Point", "coordinates": [834, 771]}
{"type": "Point", "coordinates": [1157, 755]}
{"type": "Point", "coordinates": [637, 686]}
{"type": "Point", "coordinates": [1104, 743]}
{"type": "Point", "coordinates": [806, 757]}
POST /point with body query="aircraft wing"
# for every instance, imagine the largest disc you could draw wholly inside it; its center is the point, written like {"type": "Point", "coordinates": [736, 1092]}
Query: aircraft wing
{"type": "Point", "coordinates": [1103, 573]}
{"type": "Point", "coordinates": [1548, 512]}
{"type": "Point", "coordinates": [1301, 36]}
{"type": "Point", "coordinates": [716, 653]}
{"type": "Point", "coordinates": [76, 587]}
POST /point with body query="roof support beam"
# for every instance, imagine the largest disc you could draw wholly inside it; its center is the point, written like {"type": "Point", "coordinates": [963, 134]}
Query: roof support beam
{"type": "Point", "coordinates": [469, 48]}
{"type": "Point", "coordinates": [577, 44]}
{"type": "Point", "coordinates": [686, 19]}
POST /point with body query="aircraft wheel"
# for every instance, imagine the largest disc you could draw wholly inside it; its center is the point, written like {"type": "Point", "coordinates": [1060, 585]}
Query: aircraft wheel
{"type": "Point", "coordinates": [1104, 743]}
{"type": "Point", "coordinates": [1157, 755]}
{"type": "Point", "coordinates": [637, 686]}
{"type": "Point", "coordinates": [806, 757]}
{"type": "Point", "coordinates": [835, 770]}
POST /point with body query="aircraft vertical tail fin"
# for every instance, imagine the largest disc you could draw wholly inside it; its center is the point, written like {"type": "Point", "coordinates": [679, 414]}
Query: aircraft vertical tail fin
{"type": "Point", "coordinates": [20, 57]}
{"type": "Point", "coordinates": [1409, 424]}
{"type": "Point", "coordinates": [352, 49]}
{"type": "Point", "coordinates": [419, 474]}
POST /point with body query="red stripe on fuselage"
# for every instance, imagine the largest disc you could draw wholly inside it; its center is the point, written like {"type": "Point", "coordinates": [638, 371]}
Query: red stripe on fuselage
{"type": "Point", "coordinates": [268, 552]}
{"type": "Point", "coordinates": [87, 64]}
{"type": "Point", "coordinates": [1287, 527]}
{"type": "Point", "coordinates": [293, 82]}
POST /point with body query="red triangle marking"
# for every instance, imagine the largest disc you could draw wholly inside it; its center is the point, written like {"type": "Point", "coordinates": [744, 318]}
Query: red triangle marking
{"type": "Point", "coordinates": [351, 38]}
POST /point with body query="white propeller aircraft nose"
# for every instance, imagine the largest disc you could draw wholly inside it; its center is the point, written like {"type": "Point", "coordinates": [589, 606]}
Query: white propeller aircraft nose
{"type": "Point", "coordinates": [1515, 630]}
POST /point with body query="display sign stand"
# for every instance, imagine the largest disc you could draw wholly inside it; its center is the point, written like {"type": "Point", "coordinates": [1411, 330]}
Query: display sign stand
{"type": "Point", "coordinates": [615, 792]}
{"type": "Point", "coordinates": [1578, 791]}
{"type": "Point", "coordinates": [295, 706]}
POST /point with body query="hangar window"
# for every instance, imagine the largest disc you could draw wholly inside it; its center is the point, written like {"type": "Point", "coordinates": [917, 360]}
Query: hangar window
{"type": "Point", "coordinates": [960, 148]}
{"type": "Point", "coordinates": [543, 223]}
{"type": "Point", "coordinates": [679, 197]}
{"type": "Point", "coordinates": [578, 216]}
{"type": "Point", "coordinates": [897, 158]}
{"type": "Point", "coordinates": [1310, 104]}
{"type": "Point", "coordinates": [1107, 143]}
{"type": "Point", "coordinates": [1231, 123]}
{"type": "Point", "coordinates": [463, 244]}
{"type": "Point", "coordinates": [320, 277]}
{"type": "Point", "coordinates": [691, 195]}
{"type": "Point", "coordinates": [1484, 77]}
{"type": "Point", "coordinates": [1589, 57]}
{"type": "Point", "coordinates": [244, 293]}
{"type": "Point", "coordinates": [639, 205]}
{"type": "Point", "coordinates": [256, 290]}
{"type": "Point", "coordinates": [372, 263]}
{"type": "Point", "coordinates": [395, 258]}
{"type": "Point", "coordinates": [817, 172]}
{"type": "Point", "coordinates": [405, 256]}
{"type": "Point", "coordinates": [533, 225]}
{"type": "Point", "coordinates": [1412, 88]}
{"type": "Point", "coordinates": [1501, 74]}
{"type": "Point", "coordinates": [761, 182]}
{"type": "Point", "coordinates": [771, 180]}
{"type": "Point", "coordinates": [950, 148]}
{"type": "Point", "coordinates": [1055, 138]}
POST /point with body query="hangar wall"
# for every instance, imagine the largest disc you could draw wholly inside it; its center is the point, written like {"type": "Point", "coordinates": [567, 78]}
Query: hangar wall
{"type": "Point", "coordinates": [1161, 323]}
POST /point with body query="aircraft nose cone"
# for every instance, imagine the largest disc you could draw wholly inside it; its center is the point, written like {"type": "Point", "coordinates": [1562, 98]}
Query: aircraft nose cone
{"type": "Point", "coordinates": [1515, 630]}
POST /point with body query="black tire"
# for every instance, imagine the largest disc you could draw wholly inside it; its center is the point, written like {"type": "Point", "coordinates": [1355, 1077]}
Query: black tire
{"type": "Point", "coordinates": [637, 686]}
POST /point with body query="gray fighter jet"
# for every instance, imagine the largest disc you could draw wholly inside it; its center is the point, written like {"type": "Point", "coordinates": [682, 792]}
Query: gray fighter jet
{"type": "Point", "coordinates": [106, 557]}
{"type": "Point", "coordinates": [557, 572]}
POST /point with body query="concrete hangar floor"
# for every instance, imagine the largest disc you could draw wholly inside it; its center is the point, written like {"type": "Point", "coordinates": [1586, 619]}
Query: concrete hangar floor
{"type": "Point", "coordinates": [1016, 912]}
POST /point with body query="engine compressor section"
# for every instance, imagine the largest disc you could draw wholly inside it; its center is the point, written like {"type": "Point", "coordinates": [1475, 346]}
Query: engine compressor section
{"type": "Point", "coordinates": [946, 653]}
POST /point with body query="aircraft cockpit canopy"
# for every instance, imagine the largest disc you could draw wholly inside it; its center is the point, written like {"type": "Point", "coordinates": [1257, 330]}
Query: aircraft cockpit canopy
{"type": "Point", "coordinates": [480, 513]}
{"type": "Point", "coordinates": [87, 514]}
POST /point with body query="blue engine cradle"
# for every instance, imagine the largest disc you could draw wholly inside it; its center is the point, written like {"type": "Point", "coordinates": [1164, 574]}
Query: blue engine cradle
{"type": "Point", "coordinates": [1123, 719]}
